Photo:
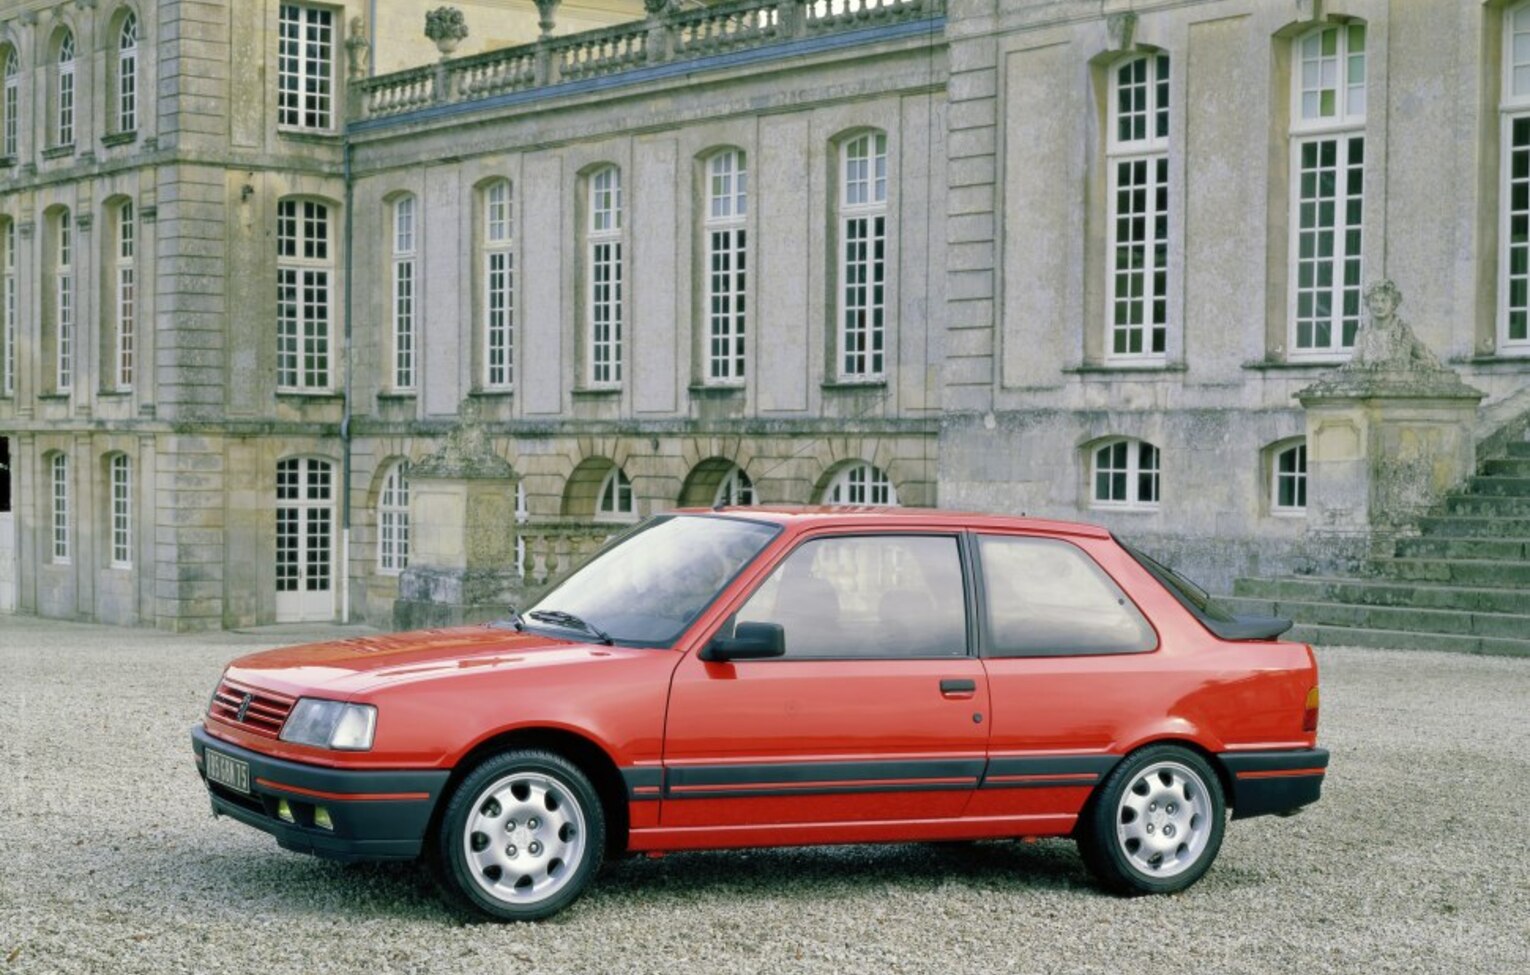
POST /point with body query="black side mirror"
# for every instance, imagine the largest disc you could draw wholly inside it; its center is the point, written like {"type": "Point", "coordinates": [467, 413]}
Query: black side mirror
{"type": "Point", "coordinates": [750, 641]}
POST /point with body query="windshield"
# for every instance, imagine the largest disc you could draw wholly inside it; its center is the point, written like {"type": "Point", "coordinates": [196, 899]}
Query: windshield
{"type": "Point", "coordinates": [649, 585]}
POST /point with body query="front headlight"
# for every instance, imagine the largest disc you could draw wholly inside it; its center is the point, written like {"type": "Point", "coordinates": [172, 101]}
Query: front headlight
{"type": "Point", "coordinates": [331, 724]}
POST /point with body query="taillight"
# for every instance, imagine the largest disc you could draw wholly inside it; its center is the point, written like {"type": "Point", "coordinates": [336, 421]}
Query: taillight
{"type": "Point", "coordinates": [1310, 713]}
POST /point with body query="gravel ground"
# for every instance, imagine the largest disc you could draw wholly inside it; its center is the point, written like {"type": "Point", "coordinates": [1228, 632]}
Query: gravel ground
{"type": "Point", "coordinates": [1415, 861]}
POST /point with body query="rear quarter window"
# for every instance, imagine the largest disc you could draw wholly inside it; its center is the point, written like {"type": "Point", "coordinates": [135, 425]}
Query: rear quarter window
{"type": "Point", "coordinates": [1047, 598]}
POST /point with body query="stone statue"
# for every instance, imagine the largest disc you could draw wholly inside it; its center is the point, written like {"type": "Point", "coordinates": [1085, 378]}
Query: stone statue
{"type": "Point", "coordinates": [545, 12]}
{"type": "Point", "coordinates": [656, 7]}
{"type": "Point", "coordinates": [1386, 341]}
{"type": "Point", "coordinates": [446, 27]}
{"type": "Point", "coordinates": [465, 452]}
{"type": "Point", "coordinates": [357, 46]}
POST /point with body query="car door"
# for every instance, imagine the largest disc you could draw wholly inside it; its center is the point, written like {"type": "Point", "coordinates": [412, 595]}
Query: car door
{"type": "Point", "coordinates": [875, 713]}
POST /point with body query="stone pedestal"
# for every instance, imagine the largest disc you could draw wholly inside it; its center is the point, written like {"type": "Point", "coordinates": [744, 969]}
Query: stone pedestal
{"type": "Point", "coordinates": [1387, 436]}
{"type": "Point", "coordinates": [462, 535]}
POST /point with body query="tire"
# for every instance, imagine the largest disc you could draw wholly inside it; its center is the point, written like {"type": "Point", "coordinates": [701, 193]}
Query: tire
{"type": "Point", "coordinates": [1155, 824]}
{"type": "Point", "coordinates": [522, 836]}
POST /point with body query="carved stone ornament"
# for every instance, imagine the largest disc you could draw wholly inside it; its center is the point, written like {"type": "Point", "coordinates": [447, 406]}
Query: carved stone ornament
{"type": "Point", "coordinates": [465, 453]}
{"type": "Point", "coordinates": [545, 11]}
{"type": "Point", "coordinates": [357, 46]}
{"type": "Point", "coordinates": [656, 7]}
{"type": "Point", "coordinates": [1309, 10]}
{"type": "Point", "coordinates": [1121, 29]}
{"type": "Point", "coordinates": [447, 28]}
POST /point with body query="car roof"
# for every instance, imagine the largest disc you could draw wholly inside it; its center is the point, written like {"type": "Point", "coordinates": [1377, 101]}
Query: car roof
{"type": "Point", "coordinates": [836, 516]}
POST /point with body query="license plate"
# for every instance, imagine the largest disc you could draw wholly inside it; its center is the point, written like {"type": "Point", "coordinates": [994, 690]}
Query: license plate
{"type": "Point", "coordinates": [228, 771]}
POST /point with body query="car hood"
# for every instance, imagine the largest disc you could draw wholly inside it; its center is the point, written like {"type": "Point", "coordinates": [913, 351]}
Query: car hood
{"type": "Point", "coordinates": [342, 668]}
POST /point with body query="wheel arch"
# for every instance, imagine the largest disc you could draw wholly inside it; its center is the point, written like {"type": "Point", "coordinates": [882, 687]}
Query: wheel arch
{"type": "Point", "coordinates": [1224, 777]}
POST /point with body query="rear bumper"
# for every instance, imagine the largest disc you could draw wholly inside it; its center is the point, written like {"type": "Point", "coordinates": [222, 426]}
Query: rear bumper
{"type": "Point", "coordinates": [376, 815]}
{"type": "Point", "coordinates": [1274, 782]}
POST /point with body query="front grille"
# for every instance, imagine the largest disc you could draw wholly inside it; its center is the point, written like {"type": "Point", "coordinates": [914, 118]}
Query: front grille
{"type": "Point", "coordinates": [262, 716]}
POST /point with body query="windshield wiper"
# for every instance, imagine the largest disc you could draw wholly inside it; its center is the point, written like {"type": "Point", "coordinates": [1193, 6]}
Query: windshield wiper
{"type": "Point", "coordinates": [514, 619]}
{"type": "Point", "coordinates": [560, 618]}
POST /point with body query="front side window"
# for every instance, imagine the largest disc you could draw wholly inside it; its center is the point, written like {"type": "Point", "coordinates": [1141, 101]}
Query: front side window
{"type": "Point", "coordinates": [1045, 597]}
{"type": "Point", "coordinates": [121, 469]}
{"type": "Point", "coordinates": [867, 596]}
{"type": "Point", "coordinates": [1126, 475]}
{"type": "Point", "coordinates": [305, 68]}
{"type": "Point", "coordinates": [60, 513]}
{"type": "Point", "coordinates": [1138, 197]}
{"type": "Point", "coordinates": [1288, 492]}
{"type": "Point", "coordinates": [1514, 248]}
{"type": "Point", "coordinates": [63, 131]}
{"type": "Point", "coordinates": [63, 296]}
{"type": "Point", "coordinates": [304, 266]}
{"type": "Point", "coordinates": [863, 257]}
{"type": "Point", "coordinates": [393, 521]}
{"type": "Point", "coordinates": [727, 264]}
{"type": "Point", "coordinates": [10, 108]}
{"type": "Point", "coordinates": [127, 75]}
{"type": "Point", "coordinates": [606, 299]}
{"type": "Point", "coordinates": [615, 500]}
{"type": "Point", "coordinates": [403, 293]}
{"type": "Point", "coordinates": [1328, 190]}
{"type": "Point", "coordinates": [861, 484]}
{"type": "Point", "coordinates": [125, 306]}
{"type": "Point", "coordinates": [498, 286]}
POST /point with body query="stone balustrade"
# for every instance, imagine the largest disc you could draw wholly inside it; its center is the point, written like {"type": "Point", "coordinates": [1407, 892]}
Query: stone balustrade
{"type": "Point", "coordinates": [551, 548]}
{"type": "Point", "coordinates": [676, 35]}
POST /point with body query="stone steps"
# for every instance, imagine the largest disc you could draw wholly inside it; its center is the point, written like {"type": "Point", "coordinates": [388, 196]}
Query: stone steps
{"type": "Point", "coordinates": [1345, 636]}
{"type": "Point", "coordinates": [1485, 526]}
{"type": "Point", "coordinates": [1490, 506]}
{"type": "Point", "coordinates": [1499, 486]}
{"type": "Point", "coordinates": [1507, 467]}
{"type": "Point", "coordinates": [1484, 573]}
{"type": "Point", "coordinates": [1381, 592]}
{"type": "Point", "coordinates": [1519, 450]}
{"type": "Point", "coordinates": [1488, 545]}
{"type": "Point", "coordinates": [1509, 626]}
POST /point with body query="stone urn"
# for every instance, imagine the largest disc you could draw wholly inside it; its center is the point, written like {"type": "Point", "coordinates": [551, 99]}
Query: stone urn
{"type": "Point", "coordinates": [447, 28]}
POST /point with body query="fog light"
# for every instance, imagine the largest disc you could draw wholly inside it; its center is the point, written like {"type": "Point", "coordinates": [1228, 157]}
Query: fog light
{"type": "Point", "coordinates": [284, 811]}
{"type": "Point", "coordinates": [321, 818]}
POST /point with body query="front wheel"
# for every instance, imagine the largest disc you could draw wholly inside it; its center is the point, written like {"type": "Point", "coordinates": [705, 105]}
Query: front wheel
{"type": "Point", "coordinates": [522, 835]}
{"type": "Point", "coordinates": [1156, 824]}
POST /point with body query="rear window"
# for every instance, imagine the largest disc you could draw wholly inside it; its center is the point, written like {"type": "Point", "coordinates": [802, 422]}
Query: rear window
{"type": "Point", "coordinates": [1047, 598]}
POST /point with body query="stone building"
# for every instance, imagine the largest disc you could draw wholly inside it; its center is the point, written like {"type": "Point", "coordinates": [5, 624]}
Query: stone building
{"type": "Point", "coordinates": [1020, 255]}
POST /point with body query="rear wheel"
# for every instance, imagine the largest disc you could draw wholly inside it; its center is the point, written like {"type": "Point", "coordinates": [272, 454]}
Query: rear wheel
{"type": "Point", "coordinates": [522, 836]}
{"type": "Point", "coordinates": [1156, 823]}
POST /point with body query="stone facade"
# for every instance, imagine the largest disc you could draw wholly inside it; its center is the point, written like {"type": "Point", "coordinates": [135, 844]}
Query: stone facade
{"type": "Point", "coordinates": [269, 404]}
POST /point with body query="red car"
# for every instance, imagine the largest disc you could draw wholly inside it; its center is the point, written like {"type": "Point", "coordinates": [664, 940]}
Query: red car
{"type": "Point", "coordinates": [768, 677]}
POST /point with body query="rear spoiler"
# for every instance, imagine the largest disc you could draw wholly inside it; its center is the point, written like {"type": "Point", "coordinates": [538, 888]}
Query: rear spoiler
{"type": "Point", "coordinates": [1198, 602]}
{"type": "Point", "coordinates": [1247, 627]}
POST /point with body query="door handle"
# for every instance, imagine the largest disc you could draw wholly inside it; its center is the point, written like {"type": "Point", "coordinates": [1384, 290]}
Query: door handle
{"type": "Point", "coordinates": [952, 687]}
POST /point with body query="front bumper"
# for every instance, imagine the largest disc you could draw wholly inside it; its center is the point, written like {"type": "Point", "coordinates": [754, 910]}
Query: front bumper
{"type": "Point", "coordinates": [376, 815]}
{"type": "Point", "coordinates": [1274, 782]}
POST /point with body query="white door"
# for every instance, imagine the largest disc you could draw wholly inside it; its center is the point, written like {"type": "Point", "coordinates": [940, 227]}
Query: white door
{"type": "Point", "coordinates": [305, 534]}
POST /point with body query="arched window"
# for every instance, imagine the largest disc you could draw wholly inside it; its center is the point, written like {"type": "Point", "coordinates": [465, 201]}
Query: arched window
{"type": "Point", "coordinates": [1328, 187]}
{"type": "Point", "coordinates": [1126, 474]}
{"type": "Point", "coordinates": [404, 255]}
{"type": "Point", "coordinates": [606, 295]}
{"type": "Point", "coordinates": [126, 304]}
{"type": "Point", "coordinates": [727, 179]}
{"type": "Point", "coordinates": [127, 74]}
{"type": "Point", "coordinates": [63, 101]}
{"type": "Point", "coordinates": [863, 256]}
{"type": "Point", "coordinates": [59, 513]}
{"type": "Point", "coordinates": [1514, 247]}
{"type": "Point", "coordinates": [498, 286]}
{"type": "Point", "coordinates": [120, 473]}
{"type": "Point", "coordinates": [1288, 480]}
{"type": "Point", "coordinates": [10, 107]}
{"type": "Point", "coordinates": [1138, 208]}
{"type": "Point", "coordinates": [63, 307]}
{"type": "Point", "coordinates": [735, 489]}
{"type": "Point", "coordinates": [861, 484]}
{"type": "Point", "coordinates": [614, 503]}
{"type": "Point", "coordinates": [393, 521]}
{"type": "Point", "coordinates": [304, 267]}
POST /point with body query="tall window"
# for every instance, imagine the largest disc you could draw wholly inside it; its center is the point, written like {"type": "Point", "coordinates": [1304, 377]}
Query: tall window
{"type": "Point", "coordinates": [404, 253]}
{"type": "Point", "coordinates": [615, 499]}
{"type": "Point", "coordinates": [735, 489]}
{"type": "Point", "coordinates": [606, 296]}
{"type": "Point", "coordinates": [305, 68]}
{"type": "Point", "coordinates": [64, 94]}
{"type": "Point", "coordinates": [127, 74]}
{"type": "Point", "coordinates": [1126, 475]}
{"type": "Point", "coordinates": [60, 513]}
{"type": "Point", "coordinates": [304, 265]}
{"type": "Point", "coordinates": [393, 521]}
{"type": "Point", "coordinates": [498, 286]}
{"type": "Point", "coordinates": [863, 256]}
{"type": "Point", "coordinates": [727, 264]}
{"type": "Point", "coordinates": [11, 107]}
{"type": "Point", "coordinates": [305, 536]}
{"type": "Point", "coordinates": [1328, 195]}
{"type": "Point", "coordinates": [8, 309]}
{"type": "Point", "coordinates": [126, 299]}
{"type": "Point", "coordinates": [861, 484]}
{"type": "Point", "coordinates": [121, 471]}
{"type": "Point", "coordinates": [1138, 220]}
{"type": "Point", "coordinates": [1288, 492]}
{"type": "Point", "coordinates": [63, 296]}
{"type": "Point", "coordinates": [1514, 249]}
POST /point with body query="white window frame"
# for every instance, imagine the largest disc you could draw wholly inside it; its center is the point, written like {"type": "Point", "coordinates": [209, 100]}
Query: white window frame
{"type": "Point", "coordinates": [863, 485]}
{"type": "Point", "coordinates": [605, 287]}
{"type": "Point", "coordinates": [63, 295]}
{"type": "Point", "coordinates": [861, 303]}
{"type": "Point", "coordinates": [1137, 167]}
{"type": "Point", "coordinates": [1514, 111]}
{"type": "Point", "coordinates": [522, 516]}
{"type": "Point", "coordinates": [405, 303]}
{"type": "Point", "coordinates": [1133, 469]}
{"type": "Point", "coordinates": [8, 310]}
{"type": "Point", "coordinates": [59, 509]}
{"type": "Point", "coordinates": [306, 521]}
{"type": "Point", "coordinates": [1341, 123]}
{"type": "Point", "coordinates": [10, 139]}
{"type": "Point", "coordinates": [300, 68]}
{"type": "Point", "coordinates": [499, 286]}
{"type": "Point", "coordinates": [64, 79]}
{"type": "Point", "coordinates": [1297, 477]}
{"type": "Point", "coordinates": [393, 520]}
{"type": "Point", "coordinates": [307, 225]}
{"type": "Point", "coordinates": [127, 74]}
{"type": "Point", "coordinates": [125, 306]}
{"type": "Point", "coordinates": [735, 490]}
{"type": "Point", "coordinates": [120, 468]}
{"type": "Point", "coordinates": [616, 501]}
{"type": "Point", "coordinates": [727, 256]}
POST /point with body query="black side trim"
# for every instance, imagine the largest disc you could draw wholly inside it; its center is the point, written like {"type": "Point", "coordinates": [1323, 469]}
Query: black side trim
{"type": "Point", "coordinates": [809, 778]}
{"type": "Point", "coordinates": [1274, 761]}
{"type": "Point", "coordinates": [1053, 765]}
{"type": "Point", "coordinates": [643, 783]}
